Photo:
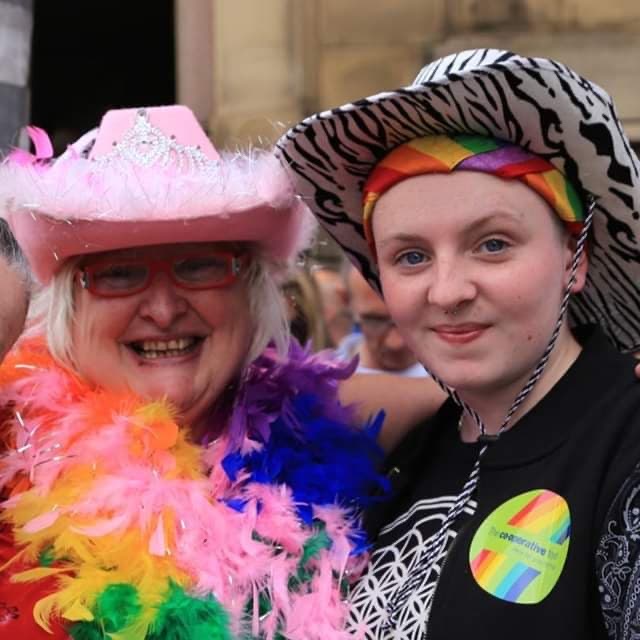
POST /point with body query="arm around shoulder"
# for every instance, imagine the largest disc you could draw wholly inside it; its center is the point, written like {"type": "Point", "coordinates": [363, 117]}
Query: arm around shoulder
{"type": "Point", "coordinates": [406, 402]}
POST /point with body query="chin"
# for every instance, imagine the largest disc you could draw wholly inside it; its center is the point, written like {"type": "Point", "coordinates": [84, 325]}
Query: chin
{"type": "Point", "coordinates": [462, 380]}
{"type": "Point", "coordinates": [164, 392]}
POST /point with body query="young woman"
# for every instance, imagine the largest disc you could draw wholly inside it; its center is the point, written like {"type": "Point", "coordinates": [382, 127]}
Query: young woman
{"type": "Point", "coordinates": [484, 201]}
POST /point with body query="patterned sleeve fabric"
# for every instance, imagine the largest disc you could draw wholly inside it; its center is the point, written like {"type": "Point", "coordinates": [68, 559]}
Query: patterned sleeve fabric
{"type": "Point", "coordinates": [618, 563]}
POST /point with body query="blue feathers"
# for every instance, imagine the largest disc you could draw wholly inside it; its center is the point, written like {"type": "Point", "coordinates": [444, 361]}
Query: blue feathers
{"type": "Point", "coordinates": [324, 461]}
{"type": "Point", "coordinates": [290, 407]}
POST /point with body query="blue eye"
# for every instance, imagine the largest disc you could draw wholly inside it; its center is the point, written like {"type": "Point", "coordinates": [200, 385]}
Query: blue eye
{"type": "Point", "coordinates": [411, 258]}
{"type": "Point", "coordinates": [494, 245]}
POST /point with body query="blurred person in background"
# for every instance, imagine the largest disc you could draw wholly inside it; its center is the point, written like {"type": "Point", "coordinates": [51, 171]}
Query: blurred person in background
{"type": "Point", "coordinates": [378, 344]}
{"type": "Point", "coordinates": [334, 297]}
{"type": "Point", "coordinates": [304, 309]}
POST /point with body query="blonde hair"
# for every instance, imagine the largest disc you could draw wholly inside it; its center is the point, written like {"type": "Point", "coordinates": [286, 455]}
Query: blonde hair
{"type": "Point", "coordinates": [52, 311]}
{"type": "Point", "coordinates": [307, 325]}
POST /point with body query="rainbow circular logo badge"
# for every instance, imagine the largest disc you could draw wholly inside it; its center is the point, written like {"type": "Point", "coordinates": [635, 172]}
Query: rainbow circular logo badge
{"type": "Point", "coordinates": [519, 551]}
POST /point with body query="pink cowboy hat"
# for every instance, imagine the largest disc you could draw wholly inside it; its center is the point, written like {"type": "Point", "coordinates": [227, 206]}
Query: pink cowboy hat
{"type": "Point", "coordinates": [145, 177]}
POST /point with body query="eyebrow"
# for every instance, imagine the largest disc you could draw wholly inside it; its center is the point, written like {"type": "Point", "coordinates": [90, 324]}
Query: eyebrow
{"type": "Point", "coordinates": [499, 216]}
{"type": "Point", "coordinates": [473, 227]}
{"type": "Point", "coordinates": [402, 237]}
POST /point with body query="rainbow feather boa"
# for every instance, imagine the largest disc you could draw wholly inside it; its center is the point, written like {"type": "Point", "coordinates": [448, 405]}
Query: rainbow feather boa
{"type": "Point", "coordinates": [255, 535]}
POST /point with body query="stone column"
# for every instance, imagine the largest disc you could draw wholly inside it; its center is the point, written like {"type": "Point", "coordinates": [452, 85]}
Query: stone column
{"type": "Point", "coordinates": [16, 23]}
{"type": "Point", "coordinates": [194, 55]}
{"type": "Point", "coordinates": [239, 66]}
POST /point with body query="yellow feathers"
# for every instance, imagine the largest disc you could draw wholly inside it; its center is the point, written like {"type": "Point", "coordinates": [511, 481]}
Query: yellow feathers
{"type": "Point", "coordinates": [103, 506]}
{"type": "Point", "coordinates": [159, 422]}
{"type": "Point", "coordinates": [37, 574]}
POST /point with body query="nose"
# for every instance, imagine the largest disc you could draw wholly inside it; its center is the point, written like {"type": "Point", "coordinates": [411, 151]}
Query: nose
{"type": "Point", "coordinates": [162, 302]}
{"type": "Point", "coordinates": [451, 284]}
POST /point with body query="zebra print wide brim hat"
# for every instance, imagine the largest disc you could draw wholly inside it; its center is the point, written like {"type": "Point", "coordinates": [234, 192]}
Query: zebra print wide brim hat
{"type": "Point", "coordinates": [536, 103]}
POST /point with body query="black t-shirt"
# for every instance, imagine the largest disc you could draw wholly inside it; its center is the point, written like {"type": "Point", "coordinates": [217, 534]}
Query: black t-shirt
{"type": "Point", "coordinates": [520, 561]}
{"type": "Point", "coordinates": [427, 471]}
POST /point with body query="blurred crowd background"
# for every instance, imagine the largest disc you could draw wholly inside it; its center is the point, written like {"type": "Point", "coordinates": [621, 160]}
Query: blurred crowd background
{"type": "Point", "coordinates": [248, 68]}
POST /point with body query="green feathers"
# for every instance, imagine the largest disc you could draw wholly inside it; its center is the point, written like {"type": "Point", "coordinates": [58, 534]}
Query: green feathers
{"type": "Point", "coordinates": [179, 617]}
{"type": "Point", "coordinates": [182, 617]}
{"type": "Point", "coordinates": [116, 608]}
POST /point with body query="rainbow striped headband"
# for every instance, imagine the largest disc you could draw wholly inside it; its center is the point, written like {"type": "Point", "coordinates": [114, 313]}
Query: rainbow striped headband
{"type": "Point", "coordinates": [443, 154]}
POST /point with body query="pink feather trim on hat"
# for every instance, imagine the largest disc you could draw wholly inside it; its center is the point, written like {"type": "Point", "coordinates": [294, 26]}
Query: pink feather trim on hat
{"type": "Point", "coordinates": [147, 177]}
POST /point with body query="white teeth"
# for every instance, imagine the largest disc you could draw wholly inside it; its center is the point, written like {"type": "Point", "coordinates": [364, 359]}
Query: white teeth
{"type": "Point", "coordinates": [166, 345]}
{"type": "Point", "coordinates": [164, 348]}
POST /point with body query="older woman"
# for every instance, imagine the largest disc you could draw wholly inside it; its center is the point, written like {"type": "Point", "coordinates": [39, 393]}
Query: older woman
{"type": "Point", "coordinates": [170, 470]}
{"type": "Point", "coordinates": [467, 199]}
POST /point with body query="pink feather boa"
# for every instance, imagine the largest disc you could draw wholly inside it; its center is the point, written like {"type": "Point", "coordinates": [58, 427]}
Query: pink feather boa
{"type": "Point", "coordinates": [104, 467]}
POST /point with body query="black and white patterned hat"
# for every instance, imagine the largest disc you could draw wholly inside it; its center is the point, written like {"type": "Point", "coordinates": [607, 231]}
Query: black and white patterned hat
{"type": "Point", "coordinates": [539, 104]}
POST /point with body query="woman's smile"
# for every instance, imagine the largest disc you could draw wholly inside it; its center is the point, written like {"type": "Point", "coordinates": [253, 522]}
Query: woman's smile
{"type": "Point", "coordinates": [460, 334]}
{"type": "Point", "coordinates": [166, 349]}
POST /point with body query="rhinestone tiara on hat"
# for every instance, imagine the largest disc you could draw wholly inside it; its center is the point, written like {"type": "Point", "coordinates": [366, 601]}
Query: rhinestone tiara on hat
{"type": "Point", "coordinates": [146, 145]}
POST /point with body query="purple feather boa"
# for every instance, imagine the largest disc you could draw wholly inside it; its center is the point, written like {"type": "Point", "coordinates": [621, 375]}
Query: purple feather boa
{"type": "Point", "coordinates": [269, 386]}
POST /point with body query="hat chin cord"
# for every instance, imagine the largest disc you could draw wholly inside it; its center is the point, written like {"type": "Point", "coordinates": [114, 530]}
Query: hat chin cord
{"type": "Point", "coordinates": [423, 562]}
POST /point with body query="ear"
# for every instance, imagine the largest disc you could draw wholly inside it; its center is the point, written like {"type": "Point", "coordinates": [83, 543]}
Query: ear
{"type": "Point", "coordinates": [583, 265]}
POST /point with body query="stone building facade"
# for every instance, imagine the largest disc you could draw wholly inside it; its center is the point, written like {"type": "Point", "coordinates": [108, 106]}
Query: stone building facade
{"type": "Point", "coordinates": [250, 67]}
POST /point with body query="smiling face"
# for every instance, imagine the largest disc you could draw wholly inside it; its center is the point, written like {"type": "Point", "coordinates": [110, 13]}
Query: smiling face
{"type": "Point", "coordinates": [165, 341]}
{"type": "Point", "coordinates": [473, 270]}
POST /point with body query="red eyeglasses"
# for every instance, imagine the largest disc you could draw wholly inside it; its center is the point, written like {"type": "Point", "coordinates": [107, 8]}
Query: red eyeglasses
{"type": "Point", "coordinates": [111, 278]}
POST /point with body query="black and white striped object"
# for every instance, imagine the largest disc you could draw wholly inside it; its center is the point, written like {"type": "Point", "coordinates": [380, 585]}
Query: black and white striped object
{"type": "Point", "coordinates": [537, 103]}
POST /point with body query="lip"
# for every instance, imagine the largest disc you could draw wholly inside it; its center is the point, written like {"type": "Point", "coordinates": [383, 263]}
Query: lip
{"type": "Point", "coordinates": [164, 337]}
{"type": "Point", "coordinates": [460, 333]}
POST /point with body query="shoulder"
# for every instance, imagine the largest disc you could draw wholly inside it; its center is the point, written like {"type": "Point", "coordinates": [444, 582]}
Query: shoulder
{"type": "Point", "coordinates": [602, 400]}
{"type": "Point", "coordinates": [601, 394]}
{"type": "Point", "coordinates": [411, 448]}
{"type": "Point", "coordinates": [613, 424]}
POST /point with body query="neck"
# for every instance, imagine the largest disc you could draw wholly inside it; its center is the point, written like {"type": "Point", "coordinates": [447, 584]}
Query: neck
{"type": "Point", "coordinates": [206, 426]}
{"type": "Point", "coordinates": [366, 358]}
{"type": "Point", "coordinates": [200, 431]}
{"type": "Point", "coordinates": [493, 405]}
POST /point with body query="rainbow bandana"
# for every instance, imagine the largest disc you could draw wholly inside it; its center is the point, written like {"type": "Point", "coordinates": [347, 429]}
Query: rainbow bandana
{"type": "Point", "coordinates": [443, 154]}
